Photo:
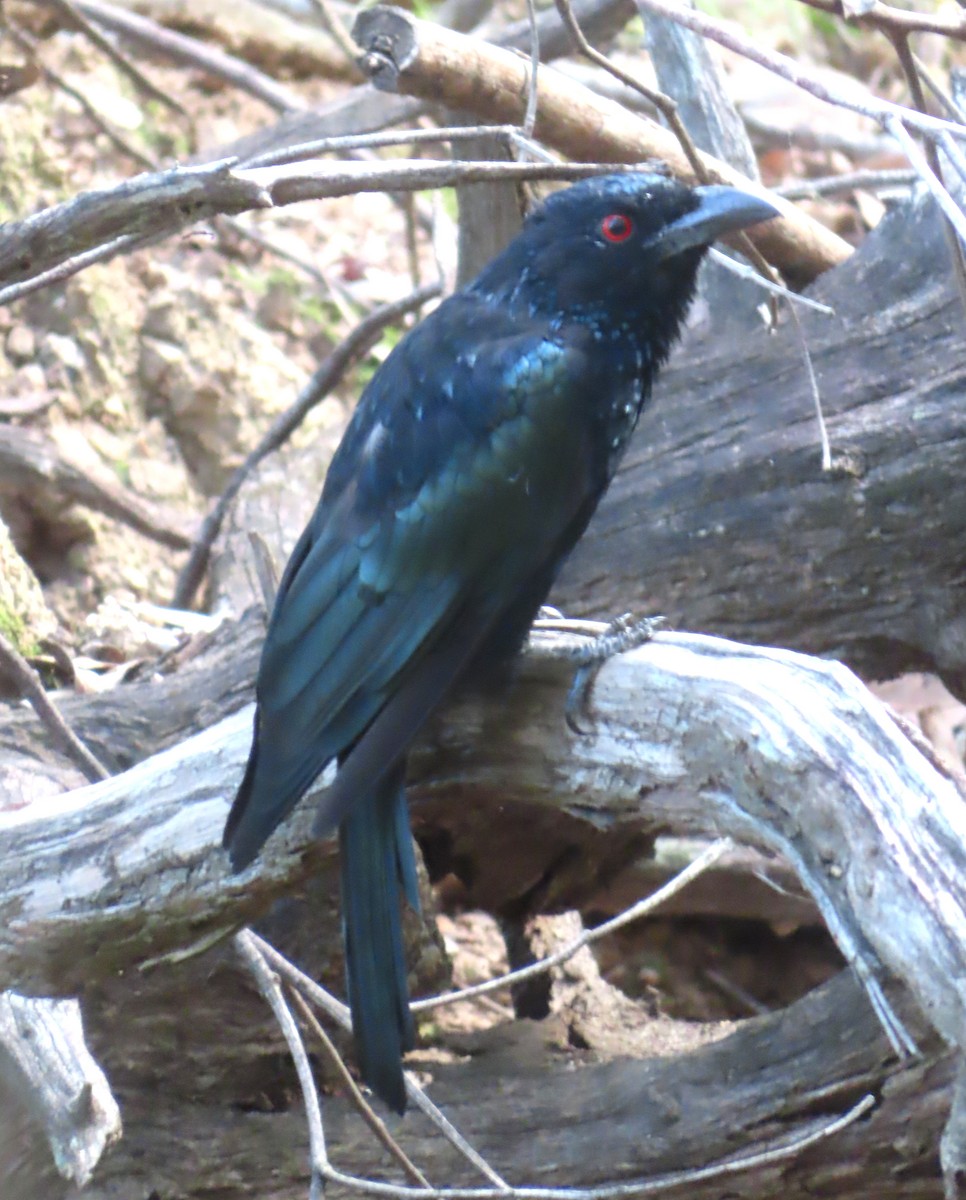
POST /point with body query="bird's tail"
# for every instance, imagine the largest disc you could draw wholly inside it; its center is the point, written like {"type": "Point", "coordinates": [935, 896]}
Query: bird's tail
{"type": "Point", "coordinates": [378, 868]}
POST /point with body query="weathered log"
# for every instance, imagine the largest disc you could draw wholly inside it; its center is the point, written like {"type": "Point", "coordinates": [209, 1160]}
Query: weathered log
{"type": "Point", "coordinates": [129, 871]}
{"type": "Point", "coordinates": [543, 1114]}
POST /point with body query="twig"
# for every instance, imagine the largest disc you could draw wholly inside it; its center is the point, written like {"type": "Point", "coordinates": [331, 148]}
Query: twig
{"type": "Point", "coordinates": [702, 863]}
{"type": "Point", "coordinates": [340, 1014]}
{"type": "Point", "coordinates": [373, 141]}
{"type": "Point", "coordinates": [368, 1114]}
{"type": "Point", "coordinates": [880, 111]}
{"type": "Point", "coordinates": [829, 185]}
{"type": "Point", "coordinates": [735, 993]}
{"type": "Point", "coordinates": [29, 458]}
{"type": "Point", "coordinates": [68, 267]}
{"type": "Point", "coordinates": [193, 53]}
{"type": "Point", "coordinates": [326, 376]}
{"type": "Point", "coordinates": [418, 58]}
{"type": "Point", "coordinates": [900, 42]}
{"type": "Point", "coordinates": [118, 140]}
{"type": "Point", "coordinates": [98, 224]}
{"type": "Point", "coordinates": [336, 30]}
{"type": "Point", "coordinates": [266, 568]}
{"type": "Point", "coordinates": [915, 155]}
{"type": "Point", "coordinates": [885, 17]}
{"type": "Point", "coordinates": [74, 17]}
{"type": "Point", "coordinates": [855, 145]}
{"type": "Point", "coordinates": [408, 202]}
{"type": "Point", "coordinates": [530, 115]}
{"type": "Point", "coordinates": [669, 110]}
{"type": "Point", "coordinates": [268, 984]}
{"type": "Point", "coordinates": [814, 389]}
{"type": "Point", "coordinates": [26, 678]}
{"type": "Point", "coordinates": [954, 153]}
{"type": "Point", "coordinates": [664, 104]}
{"type": "Point", "coordinates": [763, 281]}
{"type": "Point", "coordinates": [257, 238]}
{"type": "Point", "coordinates": [953, 111]}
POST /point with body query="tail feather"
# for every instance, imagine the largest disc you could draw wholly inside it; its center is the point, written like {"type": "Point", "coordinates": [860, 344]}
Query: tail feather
{"type": "Point", "coordinates": [378, 867]}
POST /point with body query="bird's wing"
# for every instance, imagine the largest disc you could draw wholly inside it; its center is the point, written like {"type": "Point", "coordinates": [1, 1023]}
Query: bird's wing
{"type": "Point", "coordinates": [447, 495]}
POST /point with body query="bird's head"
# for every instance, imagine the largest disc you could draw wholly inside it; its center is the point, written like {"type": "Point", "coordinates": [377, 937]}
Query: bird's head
{"type": "Point", "coordinates": [618, 249]}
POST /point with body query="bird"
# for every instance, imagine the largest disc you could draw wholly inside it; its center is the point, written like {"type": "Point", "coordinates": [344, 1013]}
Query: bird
{"type": "Point", "coordinates": [471, 466]}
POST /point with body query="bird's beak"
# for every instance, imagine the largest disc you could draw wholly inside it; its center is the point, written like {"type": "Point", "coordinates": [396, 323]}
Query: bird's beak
{"type": "Point", "coordinates": [720, 210]}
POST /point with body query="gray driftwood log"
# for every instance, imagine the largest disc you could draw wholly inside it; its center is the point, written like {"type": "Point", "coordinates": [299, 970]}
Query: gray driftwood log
{"type": "Point", "coordinates": [687, 733]}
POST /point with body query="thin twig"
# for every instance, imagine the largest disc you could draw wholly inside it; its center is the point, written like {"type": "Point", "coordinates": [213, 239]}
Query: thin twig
{"type": "Point", "coordinates": [669, 110]}
{"type": "Point", "coordinates": [266, 568]}
{"type": "Point", "coordinates": [268, 984]}
{"type": "Point", "coordinates": [702, 863]}
{"type": "Point", "coordinates": [117, 139]}
{"type": "Point", "coordinates": [147, 208]}
{"type": "Point", "coordinates": [70, 266]}
{"type": "Point", "coordinates": [954, 153]}
{"type": "Point", "coordinates": [340, 1014]}
{"type": "Point", "coordinates": [852, 181]}
{"type": "Point", "coordinates": [373, 141]}
{"type": "Point", "coordinates": [327, 375]}
{"type": "Point", "coordinates": [880, 111]}
{"type": "Point", "coordinates": [27, 679]}
{"type": "Point", "coordinates": [813, 388]}
{"type": "Point", "coordinates": [408, 202]}
{"type": "Point", "coordinates": [530, 116]}
{"type": "Point", "coordinates": [762, 281]}
{"type": "Point", "coordinates": [925, 172]}
{"type": "Point", "coordinates": [953, 111]}
{"type": "Point", "coordinates": [193, 53]}
{"type": "Point", "coordinates": [368, 1114]}
{"type": "Point", "coordinates": [257, 238]}
{"type": "Point", "coordinates": [336, 30]}
{"type": "Point", "coordinates": [665, 105]}
{"type": "Point", "coordinates": [900, 42]}
{"type": "Point", "coordinates": [36, 461]}
{"type": "Point", "coordinates": [885, 17]}
{"type": "Point", "coordinates": [74, 17]}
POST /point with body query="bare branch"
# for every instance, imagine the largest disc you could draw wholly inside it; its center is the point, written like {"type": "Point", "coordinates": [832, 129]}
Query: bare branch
{"type": "Point", "coordinates": [74, 18]}
{"type": "Point", "coordinates": [149, 207]}
{"type": "Point", "coordinates": [702, 863]}
{"type": "Point", "coordinates": [16, 667]}
{"type": "Point", "coordinates": [420, 59]}
{"type": "Point", "coordinates": [684, 704]}
{"type": "Point", "coordinates": [30, 460]}
{"type": "Point", "coordinates": [193, 53]}
{"type": "Point", "coordinates": [268, 984]}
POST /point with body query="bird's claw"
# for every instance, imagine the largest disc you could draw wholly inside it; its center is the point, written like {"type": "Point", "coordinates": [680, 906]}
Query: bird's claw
{"type": "Point", "coordinates": [623, 633]}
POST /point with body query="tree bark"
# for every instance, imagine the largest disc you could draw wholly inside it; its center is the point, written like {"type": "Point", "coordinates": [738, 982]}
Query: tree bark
{"type": "Point", "coordinates": [687, 734]}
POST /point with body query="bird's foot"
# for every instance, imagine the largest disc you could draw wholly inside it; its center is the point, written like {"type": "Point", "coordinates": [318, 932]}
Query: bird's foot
{"type": "Point", "coordinates": [623, 633]}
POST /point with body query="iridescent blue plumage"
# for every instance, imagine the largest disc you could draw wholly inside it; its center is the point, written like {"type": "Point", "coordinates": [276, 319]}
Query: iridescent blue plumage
{"type": "Point", "coordinates": [472, 465]}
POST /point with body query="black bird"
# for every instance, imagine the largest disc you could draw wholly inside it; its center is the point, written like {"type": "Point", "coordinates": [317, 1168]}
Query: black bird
{"type": "Point", "coordinates": [475, 458]}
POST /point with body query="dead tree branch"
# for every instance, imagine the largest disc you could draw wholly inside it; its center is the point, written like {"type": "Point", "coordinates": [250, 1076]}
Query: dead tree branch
{"type": "Point", "coordinates": [149, 879]}
{"type": "Point", "coordinates": [418, 58]}
{"type": "Point", "coordinates": [149, 207]}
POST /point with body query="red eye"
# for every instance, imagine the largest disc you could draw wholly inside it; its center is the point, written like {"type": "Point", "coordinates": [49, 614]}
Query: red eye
{"type": "Point", "coordinates": [616, 227]}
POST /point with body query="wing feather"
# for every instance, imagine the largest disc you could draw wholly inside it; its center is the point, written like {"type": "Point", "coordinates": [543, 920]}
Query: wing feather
{"type": "Point", "coordinates": [418, 545]}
